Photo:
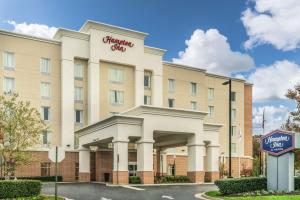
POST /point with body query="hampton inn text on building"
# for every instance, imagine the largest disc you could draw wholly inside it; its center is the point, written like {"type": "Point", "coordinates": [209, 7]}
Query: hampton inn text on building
{"type": "Point", "coordinates": [119, 110]}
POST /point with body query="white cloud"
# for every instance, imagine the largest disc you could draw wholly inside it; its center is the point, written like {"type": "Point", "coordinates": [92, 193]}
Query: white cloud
{"type": "Point", "coordinates": [39, 30]}
{"type": "Point", "coordinates": [210, 50]}
{"type": "Point", "coordinates": [271, 82]}
{"type": "Point", "coordinates": [275, 116]}
{"type": "Point", "coordinates": [273, 22]}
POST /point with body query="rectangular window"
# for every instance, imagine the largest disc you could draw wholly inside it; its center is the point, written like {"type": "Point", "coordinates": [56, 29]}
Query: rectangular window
{"type": "Point", "coordinates": [79, 116]}
{"type": "Point", "coordinates": [171, 85]}
{"type": "Point", "coordinates": [171, 103]}
{"type": "Point", "coordinates": [147, 81]}
{"type": "Point", "coordinates": [78, 94]}
{"type": "Point", "coordinates": [9, 84]}
{"type": "Point", "coordinates": [233, 114]}
{"type": "Point", "coordinates": [147, 100]}
{"type": "Point", "coordinates": [45, 90]}
{"type": "Point", "coordinates": [116, 97]}
{"type": "Point", "coordinates": [45, 138]}
{"type": "Point", "coordinates": [211, 110]}
{"type": "Point", "coordinates": [233, 131]}
{"type": "Point", "coordinates": [78, 71]}
{"type": "Point", "coordinates": [193, 88]}
{"type": "Point", "coordinates": [9, 60]}
{"type": "Point", "coordinates": [233, 96]}
{"type": "Point", "coordinates": [233, 147]}
{"type": "Point", "coordinates": [116, 75]}
{"type": "Point", "coordinates": [193, 105]}
{"type": "Point", "coordinates": [45, 113]}
{"type": "Point", "coordinates": [211, 93]}
{"type": "Point", "coordinates": [45, 66]}
{"type": "Point", "coordinates": [77, 171]}
{"type": "Point", "coordinates": [45, 169]}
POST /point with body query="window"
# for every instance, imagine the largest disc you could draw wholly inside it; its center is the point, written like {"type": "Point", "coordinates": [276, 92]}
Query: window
{"type": "Point", "coordinates": [193, 88]}
{"type": "Point", "coordinates": [171, 103]}
{"type": "Point", "coordinates": [233, 131]}
{"type": "Point", "coordinates": [9, 60]}
{"type": "Point", "coordinates": [45, 138]}
{"type": "Point", "coordinates": [147, 81]}
{"type": "Point", "coordinates": [116, 75]}
{"type": "Point", "coordinates": [132, 169]}
{"type": "Point", "coordinates": [45, 66]}
{"type": "Point", "coordinates": [78, 116]}
{"type": "Point", "coordinates": [77, 171]}
{"type": "Point", "coordinates": [78, 71]}
{"type": "Point", "coordinates": [116, 97]}
{"type": "Point", "coordinates": [45, 90]}
{"type": "Point", "coordinates": [171, 85]}
{"type": "Point", "coordinates": [211, 110]}
{"type": "Point", "coordinates": [211, 93]}
{"type": "Point", "coordinates": [233, 114]}
{"type": "Point", "coordinates": [45, 169]}
{"type": "Point", "coordinates": [171, 170]}
{"type": "Point", "coordinates": [78, 94]}
{"type": "Point", "coordinates": [8, 84]}
{"type": "Point", "coordinates": [193, 105]}
{"type": "Point", "coordinates": [46, 113]}
{"type": "Point", "coordinates": [147, 100]}
{"type": "Point", "coordinates": [233, 96]}
{"type": "Point", "coordinates": [233, 147]}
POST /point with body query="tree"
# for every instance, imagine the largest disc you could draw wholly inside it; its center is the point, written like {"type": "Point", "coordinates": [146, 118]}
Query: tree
{"type": "Point", "coordinates": [20, 129]}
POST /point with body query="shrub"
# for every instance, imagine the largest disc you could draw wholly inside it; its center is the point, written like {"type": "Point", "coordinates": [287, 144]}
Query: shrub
{"type": "Point", "coordinates": [297, 183]}
{"type": "Point", "coordinates": [235, 186]}
{"type": "Point", "coordinates": [19, 188]}
{"type": "Point", "coordinates": [171, 179]}
{"type": "Point", "coordinates": [38, 178]}
{"type": "Point", "coordinates": [134, 179]}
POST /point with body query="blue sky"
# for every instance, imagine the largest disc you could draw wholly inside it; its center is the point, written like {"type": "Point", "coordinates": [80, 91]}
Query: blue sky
{"type": "Point", "coordinates": [258, 39]}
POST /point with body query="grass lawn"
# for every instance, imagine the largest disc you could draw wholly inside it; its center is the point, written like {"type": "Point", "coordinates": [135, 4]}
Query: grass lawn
{"type": "Point", "coordinates": [42, 197]}
{"type": "Point", "coordinates": [276, 197]}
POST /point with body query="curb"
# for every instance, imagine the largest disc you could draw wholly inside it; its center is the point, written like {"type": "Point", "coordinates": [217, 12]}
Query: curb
{"type": "Point", "coordinates": [159, 184]}
{"type": "Point", "coordinates": [205, 197]}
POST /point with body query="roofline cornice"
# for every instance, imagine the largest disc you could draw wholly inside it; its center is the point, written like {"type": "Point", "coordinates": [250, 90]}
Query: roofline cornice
{"type": "Point", "coordinates": [155, 51]}
{"type": "Point", "coordinates": [61, 32]}
{"type": "Point", "coordinates": [171, 64]}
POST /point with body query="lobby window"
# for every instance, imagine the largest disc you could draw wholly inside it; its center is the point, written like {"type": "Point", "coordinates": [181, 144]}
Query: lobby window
{"type": "Point", "coordinates": [78, 94]}
{"type": "Point", "coordinates": [193, 105]}
{"type": "Point", "coordinates": [78, 71]}
{"type": "Point", "coordinates": [233, 114]}
{"type": "Point", "coordinates": [45, 169]}
{"type": "Point", "coordinates": [211, 93]}
{"type": "Point", "coordinates": [171, 85]}
{"type": "Point", "coordinates": [147, 81]}
{"type": "Point", "coordinates": [45, 66]}
{"type": "Point", "coordinates": [45, 90]}
{"type": "Point", "coordinates": [9, 60]}
{"type": "Point", "coordinates": [194, 89]}
{"type": "Point", "coordinates": [116, 75]}
{"type": "Point", "coordinates": [211, 110]}
{"type": "Point", "coordinates": [233, 131]}
{"type": "Point", "coordinates": [45, 139]}
{"type": "Point", "coordinates": [233, 147]}
{"type": "Point", "coordinates": [45, 113]}
{"type": "Point", "coordinates": [147, 100]}
{"type": "Point", "coordinates": [9, 84]}
{"type": "Point", "coordinates": [116, 97]}
{"type": "Point", "coordinates": [233, 96]}
{"type": "Point", "coordinates": [78, 116]}
{"type": "Point", "coordinates": [171, 103]}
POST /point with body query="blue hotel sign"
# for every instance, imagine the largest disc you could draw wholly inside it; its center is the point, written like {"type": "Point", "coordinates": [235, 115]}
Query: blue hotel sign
{"type": "Point", "coordinates": [278, 142]}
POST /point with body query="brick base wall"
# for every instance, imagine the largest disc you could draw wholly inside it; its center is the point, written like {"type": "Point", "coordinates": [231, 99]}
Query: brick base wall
{"type": "Point", "coordinates": [196, 176]}
{"type": "Point", "coordinates": [147, 177]}
{"type": "Point", "coordinates": [84, 177]}
{"type": "Point", "coordinates": [211, 176]}
{"type": "Point", "coordinates": [120, 177]}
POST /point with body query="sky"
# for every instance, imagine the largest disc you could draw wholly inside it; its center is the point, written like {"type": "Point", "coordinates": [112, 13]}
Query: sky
{"type": "Point", "coordinates": [257, 40]}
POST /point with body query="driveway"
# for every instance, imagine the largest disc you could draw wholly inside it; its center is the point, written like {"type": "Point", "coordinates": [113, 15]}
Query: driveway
{"type": "Point", "coordinates": [95, 191]}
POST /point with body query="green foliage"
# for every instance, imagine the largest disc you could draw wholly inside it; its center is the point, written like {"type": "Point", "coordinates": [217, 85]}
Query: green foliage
{"type": "Point", "coordinates": [134, 180]}
{"type": "Point", "coordinates": [297, 183]}
{"type": "Point", "coordinates": [256, 166]}
{"type": "Point", "coordinates": [39, 178]}
{"type": "Point", "coordinates": [235, 186]}
{"type": "Point", "coordinates": [19, 188]}
{"type": "Point", "coordinates": [172, 179]}
{"type": "Point", "coordinates": [20, 129]}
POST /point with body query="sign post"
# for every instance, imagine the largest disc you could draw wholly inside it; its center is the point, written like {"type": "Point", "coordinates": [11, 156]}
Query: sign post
{"type": "Point", "coordinates": [56, 154]}
{"type": "Point", "coordinates": [279, 145]}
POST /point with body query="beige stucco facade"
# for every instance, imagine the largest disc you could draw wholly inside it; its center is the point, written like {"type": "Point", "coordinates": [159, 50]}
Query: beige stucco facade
{"type": "Point", "coordinates": [90, 47]}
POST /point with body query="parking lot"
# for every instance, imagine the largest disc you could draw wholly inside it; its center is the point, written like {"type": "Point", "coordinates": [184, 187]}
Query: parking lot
{"type": "Point", "coordinates": [95, 191]}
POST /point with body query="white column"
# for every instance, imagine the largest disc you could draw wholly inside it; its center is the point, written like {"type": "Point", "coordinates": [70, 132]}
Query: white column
{"type": "Point", "coordinates": [84, 160]}
{"type": "Point", "coordinates": [196, 153]}
{"type": "Point", "coordinates": [120, 155]}
{"type": "Point", "coordinates": [93, 91]}
{"type": "Point", "coordinates": [212, 158]}
{"type": "Point", "coordinates": [67, 103]}
{"type": "Point", "coordinates": [139, 86]}
{"type": "Point", "coordinates": [157, 89]}
{"type": "Point", "coordinates": [145, 156]}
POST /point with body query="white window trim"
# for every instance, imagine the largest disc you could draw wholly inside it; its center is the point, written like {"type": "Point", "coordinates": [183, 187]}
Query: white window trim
{"type": "Point", "coordinates": [196, 85]}
{"type": "Point", "coordinates": [4, 84]}
{"type": "Point", "coordinates": [81, 117]}
{"type": "Point", "coordinates": [49, 113]}
{"type": "Point", "coordinates": [116, 103]}
{"type": "Point", "coordinates": [171, 90]}
{"type": "Point", "coordinates": [210, 98]}
{"type": "Point", "coordinates": [75, 75]}
{"type": "Point", "coordinates": [9, 68]}
{"type": "Point", "coordinates": [41, 66]}
{"type": "Point", "coordinates": [82, 94]}
{"type": "Point", "coordinates": [147, 87]}
{"type": "Point", "coordinates": [49, 84]}
{"type": "Point", "coordinates": [116, 81]}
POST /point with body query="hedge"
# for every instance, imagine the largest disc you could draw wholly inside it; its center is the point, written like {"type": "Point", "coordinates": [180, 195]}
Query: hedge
{"type": "Point", "coordinates": [172, 179]}
{"type": "Point", "coordinates": [297, 183]}
{"type": "Point", "coordinates": [134, 179]}
{"type": "Point", "coordinates": [38, 178]}
{"type": "Point", "coordinates": [241, 185]}
{"type": "Point", "coordinates": [19, 188]}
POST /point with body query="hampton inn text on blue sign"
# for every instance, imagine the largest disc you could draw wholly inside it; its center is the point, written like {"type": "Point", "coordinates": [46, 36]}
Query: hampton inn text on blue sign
{"type": "Point", "coordinates": [278, 142]}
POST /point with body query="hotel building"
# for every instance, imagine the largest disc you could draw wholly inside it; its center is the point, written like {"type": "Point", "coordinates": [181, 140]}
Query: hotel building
{"type": "Point", "coordinates": [119, 110]}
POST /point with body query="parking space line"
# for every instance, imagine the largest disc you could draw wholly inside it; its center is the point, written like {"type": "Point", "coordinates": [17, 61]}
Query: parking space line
{"type": "Point", "coordinates": [133, 188]}
{"type": "Point", "coordinates": [166, 197]}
